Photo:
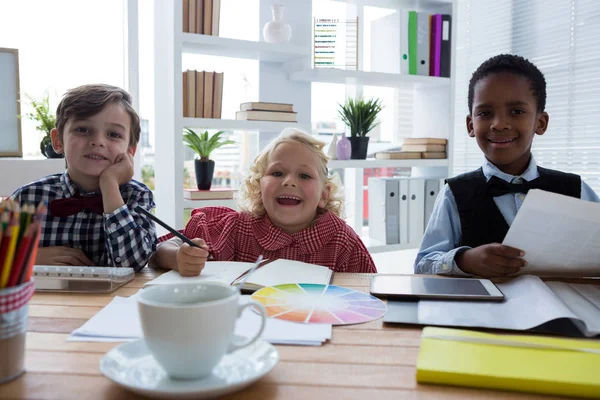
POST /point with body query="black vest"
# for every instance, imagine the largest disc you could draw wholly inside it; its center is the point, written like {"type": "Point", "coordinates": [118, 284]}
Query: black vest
{"type": "Point", "coordinates": [481, 221]}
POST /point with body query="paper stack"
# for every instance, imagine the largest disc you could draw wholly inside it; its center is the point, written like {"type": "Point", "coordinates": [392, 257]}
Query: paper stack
{"type": "Point", "coordinates": [119, 321]}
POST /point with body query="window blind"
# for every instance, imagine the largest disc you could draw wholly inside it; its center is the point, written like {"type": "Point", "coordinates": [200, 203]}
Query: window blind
{"type": "Point", "coordinates": [561, 38]}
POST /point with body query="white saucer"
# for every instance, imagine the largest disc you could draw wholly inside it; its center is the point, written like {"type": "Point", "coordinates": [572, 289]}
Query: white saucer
{"type": "Point", "coordinates": [132, 366]}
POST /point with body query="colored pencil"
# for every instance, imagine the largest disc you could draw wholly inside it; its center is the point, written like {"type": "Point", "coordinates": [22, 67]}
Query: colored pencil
{"type": "Point", "coordinates": [22, 256]}
{"type": "Point", "coordinates": [27, 272]}
{"type": "Point", "coordinates": [9, 250]}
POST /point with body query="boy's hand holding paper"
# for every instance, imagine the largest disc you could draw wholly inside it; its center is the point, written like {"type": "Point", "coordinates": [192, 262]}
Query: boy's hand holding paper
{"type": "Point", "coordinates": [491, 260]}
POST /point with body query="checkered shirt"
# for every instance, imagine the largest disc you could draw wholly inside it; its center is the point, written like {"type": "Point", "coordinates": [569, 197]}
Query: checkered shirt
{"type": "Point", "coordinates": [122, 238]}
{"type": "Point", "coordinates": [237, 236]}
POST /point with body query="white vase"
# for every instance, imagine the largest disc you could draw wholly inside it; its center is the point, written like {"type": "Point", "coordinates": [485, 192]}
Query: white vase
{"type": "Point", "coordinates": [277, 31]}
{"type": "Point", "coordinates": [333, 147]}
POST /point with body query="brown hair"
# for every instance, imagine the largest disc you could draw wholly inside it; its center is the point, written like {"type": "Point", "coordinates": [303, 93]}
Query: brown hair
{"type": "Point", "coordinates": [87, 100]}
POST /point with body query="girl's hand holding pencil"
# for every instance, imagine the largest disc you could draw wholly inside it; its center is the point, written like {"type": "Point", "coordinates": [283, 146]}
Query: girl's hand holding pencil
{"type": "Point", "coordinates": [20, 231]}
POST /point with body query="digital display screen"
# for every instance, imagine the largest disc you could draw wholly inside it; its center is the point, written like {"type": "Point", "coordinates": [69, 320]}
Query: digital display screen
{"type": "Point", "coordinates": [421, 286]}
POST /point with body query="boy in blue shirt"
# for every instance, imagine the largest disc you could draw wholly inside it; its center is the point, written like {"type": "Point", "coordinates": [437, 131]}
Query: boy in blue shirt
{"type": "Point", "coordinates": [92, 217]}
{"type": "Point", "coordinates": [472, 214]}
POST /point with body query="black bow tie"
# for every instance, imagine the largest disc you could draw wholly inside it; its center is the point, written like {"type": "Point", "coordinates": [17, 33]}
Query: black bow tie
{"type": "Point", "coordinates": [499, 187]}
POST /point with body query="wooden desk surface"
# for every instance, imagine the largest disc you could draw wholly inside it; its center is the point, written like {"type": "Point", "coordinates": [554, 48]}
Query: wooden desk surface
{"type": "Point", "coordinates": [365, 361]}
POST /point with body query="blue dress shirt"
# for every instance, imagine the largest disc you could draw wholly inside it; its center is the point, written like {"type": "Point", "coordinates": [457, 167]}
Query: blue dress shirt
{"type": "Point", "coordinates": [443, 232]}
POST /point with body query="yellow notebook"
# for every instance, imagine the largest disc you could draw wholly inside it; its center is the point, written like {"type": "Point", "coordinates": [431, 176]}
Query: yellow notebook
{"type": "Point", "coordinates": [520, 363]}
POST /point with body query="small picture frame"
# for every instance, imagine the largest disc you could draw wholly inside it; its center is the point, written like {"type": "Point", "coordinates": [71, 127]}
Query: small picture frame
{"type": "Point", "coordinates": [10, 105]}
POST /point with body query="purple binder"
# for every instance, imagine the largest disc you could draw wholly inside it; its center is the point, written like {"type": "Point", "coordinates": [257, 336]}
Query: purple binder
{"type": "Point", "coordinates": [435, 48]}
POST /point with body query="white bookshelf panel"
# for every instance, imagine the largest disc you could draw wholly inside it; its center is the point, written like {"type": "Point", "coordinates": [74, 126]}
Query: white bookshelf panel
{"type": "Point", "coordinates": [366, 78]}
{"type": "Point", "coordinates": [231, 203]}
{"type": "Point", "coordinates": [241, 125]}
{"type": "Point", "coordinates": [375, 163]}
{"type": "Point", "coordinates": [237, 48]}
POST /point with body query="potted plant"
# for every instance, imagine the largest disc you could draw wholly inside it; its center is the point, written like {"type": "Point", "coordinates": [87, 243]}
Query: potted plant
{"type": "Point", "coordinates": [359, 116]}
{"type": "Point", "coordinates": [46, 121]}
{"type": "Point", "coordinates": [203, 145]}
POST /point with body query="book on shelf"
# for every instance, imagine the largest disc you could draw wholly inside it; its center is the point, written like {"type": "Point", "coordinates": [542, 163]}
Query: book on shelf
{"type": "Point", "coordinates": [423, 147]}
{"type": "Point", "coordinates": [190, 111]}
{"type": "Point", "coordinates": [396, 155]}
{"type": "Point", "coordinates": [192, 24]}
{"type": "Point", "coordinates": [186, 15]}
{"type": "Point", "coordinates": [199, 111]}
{"type": "Point", "coordinates": [425, 141]}
{"type": "Point", "coordinates": [431, 155]}
{"type": "Point", "coordinates": [218, 95]}
{"type": "Point", "coordinates": [266, 106]}
{"type": "Point", "coordinates": [266, 116]}
{"type": "Point", "coordinates": [269, 273]}
{"type": "Point", "coordinates": [201, 16]}
{"type": "Point", "coordinates": [202, 94]}
{"type": "Point", "coordinates": [212, 194]}
{"type": "Point", "coordinates": [209, 86]}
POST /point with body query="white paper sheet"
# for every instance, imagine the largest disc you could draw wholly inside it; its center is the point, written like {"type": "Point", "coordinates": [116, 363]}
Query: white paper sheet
{"type": "Point", "coordinates": [119, 322]}
{"type": "Point", "coordinates": [528, 303]}
{"type": "Point", "coordinates": [560, 235]}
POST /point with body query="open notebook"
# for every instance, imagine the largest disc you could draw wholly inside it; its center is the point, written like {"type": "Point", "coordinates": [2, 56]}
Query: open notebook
{"type": "Point", "coordinates": [529, 304]}
{"type": "Point", "coordinates": [269, 273]}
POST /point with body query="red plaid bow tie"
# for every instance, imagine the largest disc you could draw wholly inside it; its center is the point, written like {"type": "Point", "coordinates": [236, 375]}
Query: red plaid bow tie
{"type": "Point", "coordinates": [75, 204]}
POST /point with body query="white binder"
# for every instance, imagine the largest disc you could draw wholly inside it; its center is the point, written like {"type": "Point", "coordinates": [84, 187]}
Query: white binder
{"type": "Point", "coordinates": [389, 44]}
{"type": "Point", "coordinates": [432, 188]}
{"type": "Point", "coordinates": [403, 201]}
{"type": "Point", "coordinates": [416, 210]}
{"type": "Point", "coordinates": [423, 30]}
{"type": "Point", "coordinates": [383, 210]}
{"type": "Point", "coordinates": [404, 41]}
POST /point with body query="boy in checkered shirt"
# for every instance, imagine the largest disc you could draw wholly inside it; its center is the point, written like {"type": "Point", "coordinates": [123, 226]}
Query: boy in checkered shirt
{"type": "Point", "coordinates": [290, 209]}
{"type": "Point", "coordinates": [92, 217]}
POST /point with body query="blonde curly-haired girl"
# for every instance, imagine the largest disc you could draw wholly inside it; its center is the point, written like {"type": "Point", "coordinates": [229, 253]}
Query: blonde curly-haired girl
{"type": "Point", "coordinates": [290, 208]}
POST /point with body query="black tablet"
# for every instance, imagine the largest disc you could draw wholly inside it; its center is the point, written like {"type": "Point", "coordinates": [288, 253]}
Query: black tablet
{"type": "Point", "coordinates": [431, 287]}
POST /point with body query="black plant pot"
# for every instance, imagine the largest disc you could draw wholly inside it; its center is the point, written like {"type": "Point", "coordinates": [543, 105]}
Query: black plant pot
{"type": "Point", "coordinates": [359, 144]}
{"type": "Point", "coordinates": [204, 173]}
{"type": "Point", "coordinates": [50, 153]}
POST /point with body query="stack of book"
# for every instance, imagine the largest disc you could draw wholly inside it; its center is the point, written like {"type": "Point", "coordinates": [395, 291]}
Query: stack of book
{"type": "Point", "coordinates": [213, 194]}
{"type": "Point", "coordinates": [201, 16]}
{"type": "Point", "coordinates": [202, 94]}
{"type": "Point", "coordinates": [262, 111]}
{"type": "Point", "coordinates": [414, 148]}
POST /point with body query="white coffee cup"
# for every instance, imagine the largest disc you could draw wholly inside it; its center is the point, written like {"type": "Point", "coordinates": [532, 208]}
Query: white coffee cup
{"type": "Point", "coordinates": [189, 327]}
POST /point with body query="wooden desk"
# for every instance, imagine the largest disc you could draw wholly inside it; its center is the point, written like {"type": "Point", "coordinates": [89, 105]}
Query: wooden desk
{"type": "Point", "coordinates": [365, 361]}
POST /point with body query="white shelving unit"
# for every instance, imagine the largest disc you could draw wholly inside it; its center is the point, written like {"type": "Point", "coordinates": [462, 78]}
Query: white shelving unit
{"type": "Point", "coordinates": [366, 78]}
{"type": "Point", "coordinates": [234, 124]}
{"type": "Point", "coordinates": [285, 76]}
{"type": "Point", "coordinates": [170, 46]}
{"type": "Point", "coordinates": [375, 163]}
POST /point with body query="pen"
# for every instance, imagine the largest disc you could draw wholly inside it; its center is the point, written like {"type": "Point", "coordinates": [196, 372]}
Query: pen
{"type": "Point", "coordinates": [167, 227]}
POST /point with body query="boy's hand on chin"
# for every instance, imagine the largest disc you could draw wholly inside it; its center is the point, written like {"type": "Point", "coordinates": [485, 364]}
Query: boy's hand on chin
{"type": "Point", "coordinates": [62, 255]}
{"type": "Point", "coordinates": [120, 172]}
{"type": "Point", "coordinates": [491, 260]}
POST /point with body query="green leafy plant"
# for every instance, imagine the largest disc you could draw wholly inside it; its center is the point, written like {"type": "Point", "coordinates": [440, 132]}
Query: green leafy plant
{"type": "Point", "coordinates": [46, 120]}
{"type": "Point", "coordinates": [204, 144]}
{"type": "Point", "coordinates": [360, 115]}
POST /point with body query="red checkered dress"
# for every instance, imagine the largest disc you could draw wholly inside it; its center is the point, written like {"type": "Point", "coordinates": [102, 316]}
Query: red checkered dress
{"type": "Point", "coordinates": [237, 236]}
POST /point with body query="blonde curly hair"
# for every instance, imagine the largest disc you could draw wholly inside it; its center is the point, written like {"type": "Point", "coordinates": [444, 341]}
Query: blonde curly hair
{"type": "Point", "coordinates": [249, 196]}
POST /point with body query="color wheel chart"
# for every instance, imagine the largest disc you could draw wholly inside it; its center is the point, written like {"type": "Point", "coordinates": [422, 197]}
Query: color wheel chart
{"type": "Point", "coordinates": [319, 304]}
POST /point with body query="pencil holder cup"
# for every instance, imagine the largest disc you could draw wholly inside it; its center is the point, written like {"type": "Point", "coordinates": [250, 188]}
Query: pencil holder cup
{"type": "Point", "coordinates": [13, 327]}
